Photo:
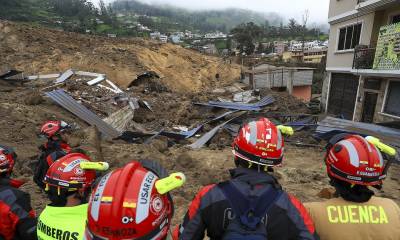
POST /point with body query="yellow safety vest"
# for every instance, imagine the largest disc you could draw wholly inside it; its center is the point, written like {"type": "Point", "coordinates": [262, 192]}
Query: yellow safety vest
{"type": "Point", "coordinates": [62, 223]}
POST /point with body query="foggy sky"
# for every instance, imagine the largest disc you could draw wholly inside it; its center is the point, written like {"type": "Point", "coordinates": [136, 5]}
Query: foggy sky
{"type": "Point", "coordinates": [287, 8]}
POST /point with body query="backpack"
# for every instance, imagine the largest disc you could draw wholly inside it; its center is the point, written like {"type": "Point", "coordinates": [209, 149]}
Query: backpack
{"type": "Point", "coordinates": [249, 212]}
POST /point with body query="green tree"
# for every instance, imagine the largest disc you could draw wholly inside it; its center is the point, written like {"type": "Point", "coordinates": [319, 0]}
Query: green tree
{"type": "Point", "coordinates": [294, 28]}
{"type": "Point", "coordinates": [246, 34]}
{"type": "Point", "coordinates": [260, 48]}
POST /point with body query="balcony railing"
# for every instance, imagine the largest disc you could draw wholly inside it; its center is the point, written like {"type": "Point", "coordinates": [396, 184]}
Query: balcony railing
{"type": "Point", "coordinates": [363, 57]}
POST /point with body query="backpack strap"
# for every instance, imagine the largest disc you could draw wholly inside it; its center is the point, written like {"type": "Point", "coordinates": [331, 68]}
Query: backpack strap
{"type": "Point", "coordinates": [249, 210]}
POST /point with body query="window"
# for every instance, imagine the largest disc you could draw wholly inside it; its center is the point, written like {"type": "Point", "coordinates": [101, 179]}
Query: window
{"type": "Point", "coordinates": [395, 19]}
{"type": "Point", "coordinates": [373, 84]}
{"type": "Point", "coordinates": [392, 99]}
{"type": "Point", "coordinates": [349, 37]}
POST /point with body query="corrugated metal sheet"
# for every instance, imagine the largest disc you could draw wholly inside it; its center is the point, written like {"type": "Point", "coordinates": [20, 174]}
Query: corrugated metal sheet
{"type": "Point", "coordinates": [240, 106]}
{"type": "Point", "coordinates": [67, 102]}
{"type": "Point", "coordinates": [331, 126]}
{"type": "Point", "coordinates": [209, 135]}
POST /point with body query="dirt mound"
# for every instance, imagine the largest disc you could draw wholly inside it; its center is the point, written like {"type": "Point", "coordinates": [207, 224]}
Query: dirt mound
{"type": "Point", "coordinates": [40, 50]}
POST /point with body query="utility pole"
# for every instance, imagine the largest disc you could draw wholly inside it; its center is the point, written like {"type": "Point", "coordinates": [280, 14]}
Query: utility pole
{"type": "Point", "coordinates": [306, 15]}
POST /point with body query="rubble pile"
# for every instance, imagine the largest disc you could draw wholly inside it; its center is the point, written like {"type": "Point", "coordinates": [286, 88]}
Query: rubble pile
{"type": "Point", "coordinates": [141, 96]}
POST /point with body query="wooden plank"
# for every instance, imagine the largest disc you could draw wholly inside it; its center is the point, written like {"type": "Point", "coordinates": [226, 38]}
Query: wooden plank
{"type": "Point", "coordinates": [44, 76]}
{"type": "Point", "coordinates": [67, 74]}
{"type": "Point", "coordinates": [97, 80]}
{"type": "Point", "coordinates": [116, 88]}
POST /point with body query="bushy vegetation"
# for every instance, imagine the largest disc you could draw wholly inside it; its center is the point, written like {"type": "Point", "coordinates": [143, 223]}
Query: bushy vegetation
{"type": "Point", "coordinates": [247, 34]}
{"type": "Point", "coordinates": [180, 19]}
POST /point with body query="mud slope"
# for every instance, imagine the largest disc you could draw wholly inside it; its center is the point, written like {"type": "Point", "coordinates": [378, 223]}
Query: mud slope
{"type": "Point", "coordinates": [40, 50]}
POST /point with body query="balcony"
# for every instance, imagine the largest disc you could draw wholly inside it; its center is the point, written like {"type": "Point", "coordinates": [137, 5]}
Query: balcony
{"type": "Point", "coordinates": [372, 5]}
{"type": "Point", "coordinates": [363, 57]}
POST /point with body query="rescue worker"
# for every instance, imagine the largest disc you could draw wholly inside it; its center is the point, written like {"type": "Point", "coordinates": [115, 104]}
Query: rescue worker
{"type": "Point", "coordinates": [17, 218]}
{"type": "Point", "coordinates": [353, 165]}
{"type": "Point", "coordinates": [57, 134]}
{"type": "Point", "coordinates": [252, 205]}
{"type": "Point", "coordinates": [68, 187]}
{"type": "Point", "coordinates": [133, 203]}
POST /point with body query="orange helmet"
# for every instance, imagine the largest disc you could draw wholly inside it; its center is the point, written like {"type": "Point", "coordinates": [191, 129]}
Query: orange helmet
{"type": "Point", "coordinates": [126, 205]}
{"type": "Point", "coordinates": [259, 142]}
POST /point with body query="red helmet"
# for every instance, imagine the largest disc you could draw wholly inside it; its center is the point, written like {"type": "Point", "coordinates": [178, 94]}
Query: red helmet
{"type": "Point", "coordinates": [126, 205]}
{"type": "Point", "coordinates": [354, 160]}
{"type": "Point", "coordinates": [67, 174]}
{"type": "Point", "coordinates": [259, 142]}
{"type": "Point", "coordinates": [7, 159]}
{"type": "Point", "coordinates": [52, 128]}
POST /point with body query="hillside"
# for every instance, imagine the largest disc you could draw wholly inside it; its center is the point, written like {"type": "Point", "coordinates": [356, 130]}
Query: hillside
{"type": "Point", "coordinates": [40, 50]}
{"type": "Point", "coordinates": [173, 18]}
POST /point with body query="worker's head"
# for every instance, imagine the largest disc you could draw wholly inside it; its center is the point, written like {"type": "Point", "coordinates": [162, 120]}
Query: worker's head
{"type": "Point", "coordinates": [7, 160]}
{"type": "Point", "coordinates": [56, 130]}
{"type": "Point", "coordinates": [67, 183]}
{"type": "Point", "coordinates": [258, 145]}
{"type": "Point", "coordinates": [127, 204]}
{"type": "Point", "coordinates": [353, 164]}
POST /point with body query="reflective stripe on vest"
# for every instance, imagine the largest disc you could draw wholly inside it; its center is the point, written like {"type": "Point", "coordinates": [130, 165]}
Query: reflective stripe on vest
{"type": "Point", "coordinates": [62, 223]}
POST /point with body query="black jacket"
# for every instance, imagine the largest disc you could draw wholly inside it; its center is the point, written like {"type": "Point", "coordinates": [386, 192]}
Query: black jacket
{"type": "Point", "coordinates": [17, 218]}
{"type": "Point", "coordinates": [50, 152]}
{"type": "Point", "coordinates": [210, 211]}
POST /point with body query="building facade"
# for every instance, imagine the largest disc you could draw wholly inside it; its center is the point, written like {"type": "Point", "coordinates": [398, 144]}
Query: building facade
{"type": "Point", "coordinates": [278, 78]}
{"type": "Point", "coordinates": [316, 55]}
{"type": "Point", "coordinates": [363, 80]}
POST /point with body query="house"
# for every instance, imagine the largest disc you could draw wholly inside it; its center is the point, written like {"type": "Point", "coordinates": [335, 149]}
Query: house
{"type": "Point", "coordinates": [280, 48]}
{"type": "Point", "coordinates": [209, 49]}
{"type": "Point", "coordinates": [163, 38]}
{"type": "Point", "coordinates": [155, 35]}
{"type": "Point", "coordinates": [315, 55]}
{"type": "Point", "coordinates": [175, 39]}
{"type": "Point", "coordinates": [297, 81]}
{"type": "Point", "coordinates": [363, 62]}
{"type": "Point", "coordinates": [287, 56]}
